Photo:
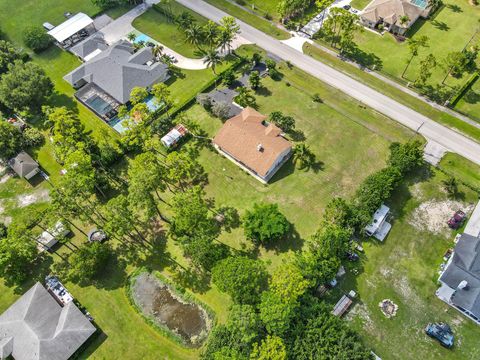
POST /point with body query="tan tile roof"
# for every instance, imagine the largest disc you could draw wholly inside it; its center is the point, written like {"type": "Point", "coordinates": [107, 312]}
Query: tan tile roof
{"type": "Point", "coordinates": [391, 11]}
{"type": "Point", "coordinates": [243, 135]}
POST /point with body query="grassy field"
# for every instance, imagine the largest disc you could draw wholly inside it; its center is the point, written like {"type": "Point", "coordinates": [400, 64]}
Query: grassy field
{"type": "Point", "coordinates": [404, 269]}
{"type": "Point", "coordinates": [255, 21]}
{"type": "Point", "coordinates": [162, 29]}
{"type": "Point", "coordinates": [470, 102]}
{"type": "Point", "coordinates": [462, 169]}
{"type": "Point", "coordinates": [449, 30]}
{"type": "Point", "coordinates": [393, 92]}
{"type": "Point", "coordinates": [359, 4]}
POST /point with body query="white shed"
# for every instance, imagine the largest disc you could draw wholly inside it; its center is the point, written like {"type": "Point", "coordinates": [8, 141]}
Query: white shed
{"type": "Point", "coordinates": [70, 27]}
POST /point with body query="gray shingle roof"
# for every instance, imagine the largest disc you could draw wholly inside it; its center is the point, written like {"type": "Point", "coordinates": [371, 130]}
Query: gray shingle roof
{"type": "Point", "coordinates": [118, 70]}
{"type": "Point", "coordinates": [89, 45]}
{"type": "Point", "coordinates": [465, 265]}
{"type": "Point", "coordinates": [40, 329]}
{"type": "Point", "coordinates": [23, 164]}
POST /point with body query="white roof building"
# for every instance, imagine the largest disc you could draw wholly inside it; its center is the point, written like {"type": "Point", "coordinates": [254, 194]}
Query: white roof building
{"type": "Point", "coordinates": [379, 227]}
{"type": "Point", "coordinates": [70, 27]}
{"type": "Point", "coordinates": [174, 136]}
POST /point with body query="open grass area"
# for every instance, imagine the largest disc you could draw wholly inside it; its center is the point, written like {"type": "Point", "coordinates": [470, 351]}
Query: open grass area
{"type": "Point", "coordinates": [159, 27]}
{"type": "Point", "coordinates": [404, 269]}
{"type": "Point", "coordinates": [255, 21]}
{"type": "Point", "coordinates": [462, 169]}
{"type": "Point", "coordinates": [448, 30]}
{"type": "Point", "coordinates": [393, 92]}
{"type": "Point", "coordinates": [360, 4]}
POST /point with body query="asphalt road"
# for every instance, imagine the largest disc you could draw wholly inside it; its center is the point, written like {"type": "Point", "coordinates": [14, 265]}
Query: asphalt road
{"type": "Point", "coordinates": [430, 129]}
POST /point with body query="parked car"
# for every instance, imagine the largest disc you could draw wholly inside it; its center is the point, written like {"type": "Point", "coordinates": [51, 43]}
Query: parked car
{"type": "Point", "coordinates": [442, 332]}
{"type": "Point", "coordinates": [352, 256]}
{"type": "Point", "coordinates": [457, 220]}
{"type": "Point", "coordinates": [346, 7]}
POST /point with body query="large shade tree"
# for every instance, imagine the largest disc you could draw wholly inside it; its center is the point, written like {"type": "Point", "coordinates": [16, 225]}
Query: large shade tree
{"type": "Point", "coordinates": [265, 223]}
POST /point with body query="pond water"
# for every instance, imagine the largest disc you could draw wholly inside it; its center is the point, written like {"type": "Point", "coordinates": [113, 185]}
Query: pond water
{"type": "Point", "coordinates": [157, 301]}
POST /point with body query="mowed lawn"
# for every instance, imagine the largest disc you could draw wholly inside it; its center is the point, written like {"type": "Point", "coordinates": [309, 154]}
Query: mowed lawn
{"type": "Point", "coordinates": [449, 30]}
{"type": "Point", "coordinates": [404, 268]}
{"type": "Point", "coordinates": [164, 30]}
{"type": "Point", "coordinates": [470, 102]}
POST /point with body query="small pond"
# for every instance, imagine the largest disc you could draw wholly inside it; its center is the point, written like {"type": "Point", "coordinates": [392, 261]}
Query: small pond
{"type": "Point", "coordinates": [161, 304]}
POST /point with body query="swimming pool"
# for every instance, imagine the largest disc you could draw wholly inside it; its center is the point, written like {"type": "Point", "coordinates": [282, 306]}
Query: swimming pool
{"type": "Point", "coordinates": [118, 124]}
{"type": "Point", "coordinates": [144, 38]}
{"type": "Point", "coordinates": [98, 105]}
{"type": "Point", "coordinates": [420, 3]}
{"type": "Point", "coordinates": [152, 103]}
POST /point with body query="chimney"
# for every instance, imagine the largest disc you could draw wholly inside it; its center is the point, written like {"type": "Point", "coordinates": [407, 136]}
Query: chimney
{"type": "Point", "coordinates": [260, 147]}
{"type": "Point", "coordinates": [463, 285]}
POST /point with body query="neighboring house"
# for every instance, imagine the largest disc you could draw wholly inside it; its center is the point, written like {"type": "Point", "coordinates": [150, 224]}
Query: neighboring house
{"type": "Point", "coordinates": [253, 144]}
{"type": "Point", "coordinates": [460, 281]}
{"type": "Point", "coordinates": [225, 96]}
{"type": "Point", "coordinates": [24, 165]}
{"type": "Point", "coordinates": [116, 71]}
{"type": "Point", "coordinates": [390, 14]}
{"type": "Point", "coordinates": [36, 327]}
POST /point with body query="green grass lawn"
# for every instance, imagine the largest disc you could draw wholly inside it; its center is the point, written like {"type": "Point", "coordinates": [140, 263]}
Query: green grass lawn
{"type": "Point", "coordinates": [162, 29]}
{"type": "Point", "coordinates": [393, 92]}
{"type": "Point", "coordinates": [255, 21]}
{"type": "Point", "coordinates": [449, 30]}
{"type": "Point", "coordinates": [470, 102]}
{"type": "Point", "coordinates": [404, 269]}
{"type": "Point", "coordinates": [360, 4]}
{"type": "Point", "coordinates": [462, 169]}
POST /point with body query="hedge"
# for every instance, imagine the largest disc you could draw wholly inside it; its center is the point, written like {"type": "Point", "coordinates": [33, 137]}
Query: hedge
{"type": "Point", "coordinates": [464, 89]}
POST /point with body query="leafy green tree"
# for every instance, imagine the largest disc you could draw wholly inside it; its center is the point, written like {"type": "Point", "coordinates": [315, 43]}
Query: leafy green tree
{"type": "Point", "coordinates": [337, 212]}
{"type": "Point", "coordinates": [254, 80]}
{"type": "Point", "coordinates": [245, 321]}
{"type": "Point", "coordinates": [210, 33]}
{"type": "Point", "coordinates": [17, 253]}
{"type": "Point", "coordinates": [317, 266]}
{"type": "Point", "coordinates": [25, 86]}
{"type": "Point", "coordinates": [265, 224]}
{"type": "Point", "coordinates": [224, 344]}
{"type": "Point", "coordinates": [105, 4]}
{"type": "Point", "coordinates": [290, 8]}
{"type": "Point", "coordinates": [88, 261]}
{"type": "Point", "coordinates": [36, 38]}
{"type": "Point", "coordinates": [228, 31]}
{"type": "Point", "coordinates": [245, 98]}
{"type": "Point", "coordinates": [457, 62]}
{"type": "Point", "coordinates": [414, 45]}
{"type": "Point", "coordinates": [406, 157]}
{"type": "Point", "coordinates": [183, 170]}
{"type": "Point", "coordinates": [242, 278]}
{"type": "Point", "coordinates": [10, 140]}
{"type": "Point", "coordinates": [276, 313]}
{"type": "Point", "coordinates": [137, 95]}
{"type": "Point", "coordinates": [425, 71]}
{"type": "Point", "coordinates": [288, 282]}
{"type": "Point", "coordinates": [161, 92]}
{"type": "Point", "coordinates": [286, 123]}
{"type": "Point", "coordinates": [322, 5]}
{"type": "Point", "coordinates": [203, 252]}
{"type": "Point", "coordinates": [228, 77]}
{"type": "Point", "coordinates": [221, 110]}
{"type": "Point", "coordinates": [8, 55]}
{"type": "Point", "coordinates": [271, 348]}
{"type": "Point", "coordinates": [3, 231]}
{"type": "Point", "coordinates": [32, 137]}
{"type": "Point", "coordinates": [333, 240]}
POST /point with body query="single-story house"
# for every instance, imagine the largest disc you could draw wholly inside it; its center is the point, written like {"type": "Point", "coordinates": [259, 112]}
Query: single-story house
{"type": "Point", "coordinates": [252, 143]}
{"type": "Point", "coordinates": [36, 327]}
{"type": "Point", "coordinates": [174, 136]}
{"type": "Point", "coordinates": [379, 227]}
{"type": "Point", "coordinates": [397, 16]}
{"type": "Point", "coordinates": [116, 71]}
{"type": "Point", "coordinates": [460, 280]}
{"type": "Point", "coordinates": [24, 165]}
{"type": "Point", "coordinates": [73, 30]}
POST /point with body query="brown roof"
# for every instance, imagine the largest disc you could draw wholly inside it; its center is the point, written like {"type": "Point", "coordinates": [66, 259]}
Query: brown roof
{"type": "Point", "coordinates": [251, 141]}
{"type": "Point", "coordinates": [392, 10]}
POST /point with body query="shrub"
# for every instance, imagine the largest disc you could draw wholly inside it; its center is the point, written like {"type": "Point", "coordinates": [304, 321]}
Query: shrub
{"type": "Point", "coordinates": [32, 137]}
{"type": "Point", "coordinates": [221, 110]}
{"type": "Point", "coordinates": [265, 223]}
{"type": "Point", "coordinates": [316, 98]}
{"type": "Point", "coordinates": [36, 38]}
{"type": "Point", "coordinates": [204, 100]}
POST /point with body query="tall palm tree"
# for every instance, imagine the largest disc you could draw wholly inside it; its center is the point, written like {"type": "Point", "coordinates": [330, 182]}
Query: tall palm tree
{"type": "Point", "coordinates": [210, 32]}
{"type": "Point", "coordinates": [131, 37]}
{"type": "Point", "coordinates": [414, 46]}
{"type": "Point", "coordinates": [194, 34]}
{"type": "Point", "coordinates": [404, 19]}
{"type": "Point", "coordinates": [303, 156]}
{"type": "Point", "coordinates": [224, 40]}
{"type": "Point", "coordinates": [157, 51]}
{"type": "Point", "coordinates": [211, 58]}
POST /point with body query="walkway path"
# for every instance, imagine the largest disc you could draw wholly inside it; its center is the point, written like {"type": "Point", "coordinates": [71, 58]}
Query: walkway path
{"type": "Point", "coordinates": [430, 129]}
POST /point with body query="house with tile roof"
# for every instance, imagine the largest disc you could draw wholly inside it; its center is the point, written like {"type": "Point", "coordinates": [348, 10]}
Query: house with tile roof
{"type": "Point", "coordinates": [37, 327]}
{"type": "Point", "coordinates": [253, 144]}
{"type": "Point", "coordinates": [396, 16]}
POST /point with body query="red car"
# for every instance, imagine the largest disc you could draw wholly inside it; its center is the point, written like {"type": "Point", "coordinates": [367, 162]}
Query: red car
{"type": "Point", "coordinates": [457, 220]}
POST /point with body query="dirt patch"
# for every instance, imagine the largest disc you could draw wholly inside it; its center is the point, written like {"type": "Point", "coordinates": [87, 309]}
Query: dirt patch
{"type": "Point", "coordinates": [433, 215]}
{"type": "Point", "coordinates": [388, 308]}
{"type": "Point", "coordinates": [5, 178]}
{"type": "Point", "coordinates": [360, 311]}
{"type": "Point", "coordinates": [36, 197]}
{"type": "Point", "coordinates": [158, 302]}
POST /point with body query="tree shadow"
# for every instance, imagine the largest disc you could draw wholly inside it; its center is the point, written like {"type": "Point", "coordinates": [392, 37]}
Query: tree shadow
{"type": "Point", "coordinates": [291, 241]}
{"type": "Point", "coordinates": [440, 25]}
{"type": "Point", "coordinates": [368, 60]}
{"type": "Point", "coordinates": [317, 166]}
{"type": "Point", "coordinates": [113, 277]}
{"type": "Point", "coordinates": [471, 97]}
{"type": "Point", "coordinates": [455, 8]}
{"type": "Point", "coordinates": [297, 135]}
{"type": "Point", "coordinates": [263, 91]}
{"type": "Point", "coordinates": [59, 99]}
{"type": "Point", "coordinates": [189, 278]}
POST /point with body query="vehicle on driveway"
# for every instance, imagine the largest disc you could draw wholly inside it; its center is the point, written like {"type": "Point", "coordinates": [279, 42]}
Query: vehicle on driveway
{"type": "Point", "coordinates": [346, 7]}
{"type": "Point", "coordinates": [442, 332]}
{"type": "Point", "coordinates": [457, 220]}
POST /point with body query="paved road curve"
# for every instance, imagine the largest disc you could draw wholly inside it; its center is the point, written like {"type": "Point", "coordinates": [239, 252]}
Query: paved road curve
{"type": "Point", "coordinates": [446, 137]}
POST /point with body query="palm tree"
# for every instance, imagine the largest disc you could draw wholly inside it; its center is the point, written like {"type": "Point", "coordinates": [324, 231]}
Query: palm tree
{"type": "Point", "coordinates": [404, 19]}
{"type": "Point", "coordinates": [414, 46]}
{"type": "Point", "coordinates": [131, 37]}
{"type": "Point", "coordinates": [225, 39]}
{"type": "Point", "coordinates": [210, 32]}
{"type": "Point", "coordinates": [157, 51]}
{"type": "Point", "coordinates": [211, 58]}
{"type": "Point", "coordinates": [194, 34]}
{"type": "Point", "coordinates": [303, 156]}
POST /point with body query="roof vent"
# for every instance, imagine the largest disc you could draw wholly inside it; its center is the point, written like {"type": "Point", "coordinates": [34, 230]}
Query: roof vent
{"type": "Point", "coordinates": [260, 147]}
{"type": "Point", "coordinates": [463, 285]}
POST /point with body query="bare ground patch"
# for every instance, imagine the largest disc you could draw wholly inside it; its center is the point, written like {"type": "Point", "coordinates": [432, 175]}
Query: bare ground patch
{"type": "Point", "coordinates": [433, 215]}
{"type": "Point", "coordinates": [33, 198]}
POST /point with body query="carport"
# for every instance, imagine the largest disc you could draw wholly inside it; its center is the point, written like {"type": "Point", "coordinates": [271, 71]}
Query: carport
{"type": "Point", "coordinates": [73, 30]}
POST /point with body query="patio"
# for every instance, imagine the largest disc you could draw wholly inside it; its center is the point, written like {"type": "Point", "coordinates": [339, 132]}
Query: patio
{"type": "Point", "coordinates": [102, 104]}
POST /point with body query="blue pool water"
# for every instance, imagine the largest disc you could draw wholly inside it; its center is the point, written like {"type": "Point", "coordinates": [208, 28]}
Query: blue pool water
{"type": "Point", "coordinates": [142, 37]}
{"type": "Point", "coordinates": [151, 103]}
{"type": "Point", "coordinates": [420, 3]}
{"type": "Point", "coordinates": [118, 123]}
{"type": "Point", "coordinates": [99, 105]}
